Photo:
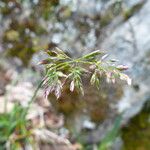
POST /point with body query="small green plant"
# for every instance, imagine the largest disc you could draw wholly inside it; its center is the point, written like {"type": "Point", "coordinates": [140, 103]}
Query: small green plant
{"type": "Point", "coordinates": [62, 69]}
{"type": "Point", "coordinates": [13, 129]}
{"type": "Point", "coordinates": [110, 137]}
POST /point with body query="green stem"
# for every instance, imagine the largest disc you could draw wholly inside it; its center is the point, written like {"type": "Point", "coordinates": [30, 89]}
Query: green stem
{"type": "Point", "coordinates": [32, 100]}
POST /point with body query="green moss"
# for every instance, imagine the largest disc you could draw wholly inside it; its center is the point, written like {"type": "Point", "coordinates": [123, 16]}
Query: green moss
{"type": "Point", "coordinates": [111, 13]}
{"type": "Point", "coordinates": [11, 35]}
{"type": "Point", "coordinates": [23, 45]}
{"type": "Point", "coordinates": [137, 135]}
{"type": "Point", "coordinates": [129, 12]}
{"type": "Point", "coordinates": [5, 9]}
{"type": "Point", "coordinates": [46, 8]}
{"type": "Point", "coordinates": [106, 19]}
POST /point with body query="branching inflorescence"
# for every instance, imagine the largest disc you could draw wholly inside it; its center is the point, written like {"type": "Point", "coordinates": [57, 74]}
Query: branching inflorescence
{"type": "Point", "coordinates": [60, 68]}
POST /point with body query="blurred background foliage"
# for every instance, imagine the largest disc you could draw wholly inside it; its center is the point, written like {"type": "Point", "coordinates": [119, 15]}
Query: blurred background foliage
{"type": "Point", "coordinates": [28, 27]}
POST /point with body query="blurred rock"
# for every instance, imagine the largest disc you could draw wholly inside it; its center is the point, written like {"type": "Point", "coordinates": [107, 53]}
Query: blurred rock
{"type": "Point", "coordinates": [130, 43]}
{"type": "Point", "coordinates": [130, 4]}
{"type": "Point", "coordinates": [119, 26]}
{"type": "Point", "coordinates": [5, 107]}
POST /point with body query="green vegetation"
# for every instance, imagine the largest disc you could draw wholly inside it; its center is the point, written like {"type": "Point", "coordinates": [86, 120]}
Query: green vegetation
{"type": "Point", "coordinates": [14, 129]}
{"type": "Point", "coordinates": [84, 90]}
{"type": "Point", "coordinates": [127, 13]}
{"type": "Point", "coordinates": [61, 69]}
{"type": "Point", "coordinates": [110, 137]}
{"type": "Point", "coordinates": [137, 134]}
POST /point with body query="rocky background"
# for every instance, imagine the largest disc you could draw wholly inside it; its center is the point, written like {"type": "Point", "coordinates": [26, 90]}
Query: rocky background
{"type": "Point", "coordinates": [119, 27]}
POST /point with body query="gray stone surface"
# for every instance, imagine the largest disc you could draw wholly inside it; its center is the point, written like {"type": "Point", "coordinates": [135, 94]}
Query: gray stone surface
{"type": "Point", "coordinates": [130, 43]}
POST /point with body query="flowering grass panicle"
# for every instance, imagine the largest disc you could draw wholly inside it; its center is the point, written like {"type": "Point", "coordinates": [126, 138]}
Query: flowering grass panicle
{"type": "Point", "coordinates": [60, 68]}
